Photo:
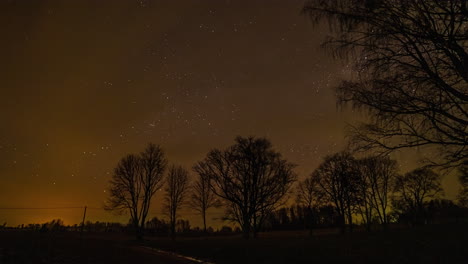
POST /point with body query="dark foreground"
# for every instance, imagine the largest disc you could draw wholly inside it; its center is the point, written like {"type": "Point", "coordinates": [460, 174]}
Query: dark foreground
{"type": "Point", "coordinates": [428, 244]}
{"type": "Point", "coordinates": [34, 247]}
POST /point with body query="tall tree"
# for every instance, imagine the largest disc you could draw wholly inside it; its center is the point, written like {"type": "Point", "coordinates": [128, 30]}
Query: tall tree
{"type": "Point", "coordinates": [310, 196]}
{"type": "Point", "coordinates": [338, 178]}
{"type": "Point", "coordinates": [379, 174]}
{"type": "Point", "coordinates": [413, 189]}
{"type": "Point", "coordinates": [202, 198]}
{"type": "Point", "coordinates": [411, 64]}
{"type": "Point", "coordinates": [134, 183]}
{"type": "Point", "coordinates": [175, 194]}
{"type": "Point", "coordinates": [251, 177]}
{"type": "Point", "coordinates": [363, 199]}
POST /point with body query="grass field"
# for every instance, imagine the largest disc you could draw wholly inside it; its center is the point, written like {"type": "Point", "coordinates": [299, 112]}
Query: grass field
{"type": "Point", "coordinates": [428, 244]}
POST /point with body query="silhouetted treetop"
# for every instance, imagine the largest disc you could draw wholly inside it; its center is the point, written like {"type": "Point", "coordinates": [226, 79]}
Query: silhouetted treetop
{"type": "Point", "coordinates": [338, 179]}
{"type": "Point", "coordinates": [175, 194]}
{"type": "Point", "coordinates": [251, 176]}
{"type": "Point", "coordinates": [202, 197]}
{"type": "Point", "coordinates": [135, 180]}
{"type": "Point", "coordinates": [414, 189]}
{"type": "Point", "coordinates": [411, 60]}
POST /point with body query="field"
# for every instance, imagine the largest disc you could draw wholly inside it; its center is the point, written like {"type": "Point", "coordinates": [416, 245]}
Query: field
{"type": "Point", "coordinates": [34, 247]}
{"type": "Point", "coordinates": [428, 244]}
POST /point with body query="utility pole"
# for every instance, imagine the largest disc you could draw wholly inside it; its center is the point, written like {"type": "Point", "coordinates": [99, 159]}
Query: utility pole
{"type": "Point", "coordinates": [84, 217]}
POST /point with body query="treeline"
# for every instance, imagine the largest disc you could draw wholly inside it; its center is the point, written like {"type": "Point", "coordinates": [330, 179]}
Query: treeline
{"type": "Point", "coordinates": [372, 190]}
{"type": "Point", "coordinates": [296, 217]}
{"type": "Point", "coordinates": [162, 227]}
{"type": "Point", "coordinates": [299, 217]}
{"type": "Point", "coordinates": [57, 225]}
{"type": "Point", "coordinates": [154, 226]}
{"type": "Point", "coordinates": [251, 181]}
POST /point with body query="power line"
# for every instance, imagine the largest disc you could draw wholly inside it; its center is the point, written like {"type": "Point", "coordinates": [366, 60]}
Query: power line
{"type": "Point", "coordinates": [47, 208]}
{"type": "Point", "coordinates": [93, 208]}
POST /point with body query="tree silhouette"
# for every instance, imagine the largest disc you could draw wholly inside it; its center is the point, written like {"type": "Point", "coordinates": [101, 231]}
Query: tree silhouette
{"type": "Point", "coordinates": [156, 225]}
{"type": "Point", "coordinates": [411, 60]}
{"type": "Point", "coordinates": [183, 226]}
{"type": "Point", "coordinates": [175, 194]}
{"type": "Point", "coordinates": [363, 199]}
{"type": "Point", "coordinates": [202, 198]}
{"type": "Point", "coordinates": [378, 175]}
{"type": "Point", "coordinates": [413, 189]}
{"type": "Point", "coordinates": [338, 178]}
{"type": "Point", "coordinates": [134, 182]}
{"type": "Point", "coordinates": [309, 196]}
{"type": "Point", "coordinates": [251, 177]}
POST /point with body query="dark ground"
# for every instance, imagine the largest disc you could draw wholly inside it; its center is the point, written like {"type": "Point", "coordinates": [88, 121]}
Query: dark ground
{"type": "Point", "coordinates": [428, 244]}
{"type": "Point", "coordinates": [34, 247]}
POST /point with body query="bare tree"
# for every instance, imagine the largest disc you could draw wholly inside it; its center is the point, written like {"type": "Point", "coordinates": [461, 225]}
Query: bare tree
{"type": "Point", "coordinates": [202, 198]}
{"type": "Point", "coordinates": [413, 189]}
{"type": "Point", "coordinates": [135, 181]}
{"type": "Point", "coordinates": [411, 60]}
{"type": "Point", "coordinates": [310, 196]}
{"type": "Point", "coordinates": [363, 198]}
{"type": "Point", "coordinates": [176, 190]}
{"type": "Point", "coordinates": [251, 177]}
{"type": "Point", "coordinates": [308, 193]}
{"type": "Point", "coordinates": [378, 175]}
{"type": "Point", "coordinates": [338, 179]}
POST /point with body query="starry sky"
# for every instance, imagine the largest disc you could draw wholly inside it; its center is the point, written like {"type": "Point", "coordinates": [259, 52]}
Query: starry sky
{"type": "Point", "coordinates": [85, 82]}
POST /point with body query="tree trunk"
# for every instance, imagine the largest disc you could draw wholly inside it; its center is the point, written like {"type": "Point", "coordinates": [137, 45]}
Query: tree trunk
{"type": "Point", "coordinates": [255, 228]}
{"type": "Point", "coordinates": [343, 224]}
{"type": "Point", "coordinates": [350, 219]}
{"type": "Point", "coordinates": [204, 222]}
{"type": "Point", "coordinates": [138, 232]}
{"type": "Point", "coordinates": [246, 225]}
{"type": "Point", "coordinates": [385, 220]}
{"type": "Point", "coordinates": [368, 219]}
{"type": "Point", "coordinates": [311, 219]}
{"type": "Point", "coordinates": [173, 229]}
{"type": "Point", "coordinates": [246, 229]}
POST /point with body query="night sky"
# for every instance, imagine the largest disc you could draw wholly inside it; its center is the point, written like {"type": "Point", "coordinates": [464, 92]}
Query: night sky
{"type": "Point", "coordinates": [85, 82]}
